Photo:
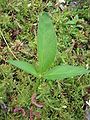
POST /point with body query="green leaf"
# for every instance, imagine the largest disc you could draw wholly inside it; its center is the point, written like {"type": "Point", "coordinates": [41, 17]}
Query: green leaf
{"type": "Point", "coordinates": [29, 68]}
{"type": "Point", "coordinates": [47, 42]}
{"type": "Point", "coordinates": [65, 71]}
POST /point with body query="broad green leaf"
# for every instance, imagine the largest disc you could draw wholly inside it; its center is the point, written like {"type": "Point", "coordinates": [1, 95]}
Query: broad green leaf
{"type": "Point", "coordinates": [65, 71]}
{"type": "Point", "coordinates": [29, 68]}
{"type": "Point", "coordinates": [46, 42]}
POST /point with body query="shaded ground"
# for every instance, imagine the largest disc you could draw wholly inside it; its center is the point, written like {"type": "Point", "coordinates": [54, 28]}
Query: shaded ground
{"type": "Point", "coordinates": [62, 100]}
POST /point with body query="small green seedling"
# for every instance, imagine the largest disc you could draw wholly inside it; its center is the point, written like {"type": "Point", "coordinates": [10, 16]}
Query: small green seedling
{"type": "Point", "coordinates": [46, 50]}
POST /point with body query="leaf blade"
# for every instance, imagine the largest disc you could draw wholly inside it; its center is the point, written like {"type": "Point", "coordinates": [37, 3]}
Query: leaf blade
{"type": "Point", "coordinates": [29, 68]}
{"type": "Point", "coordinates": [46, 42]}
{"type": "Point", "coordinates": [65, 71]}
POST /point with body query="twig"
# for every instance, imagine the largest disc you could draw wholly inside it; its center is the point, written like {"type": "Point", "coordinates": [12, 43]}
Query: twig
{"type": "Point", "coordinates": [8, 45]}
{"type": "Point", "coordinates": [33, 101]}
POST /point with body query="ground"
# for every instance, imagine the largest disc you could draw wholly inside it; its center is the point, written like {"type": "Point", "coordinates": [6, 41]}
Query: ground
{"type": "Point", "coordinates": [61, 99]}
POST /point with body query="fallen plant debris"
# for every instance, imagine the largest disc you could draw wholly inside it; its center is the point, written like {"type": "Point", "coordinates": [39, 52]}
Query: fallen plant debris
{"type": "Point", "coordinates": [4, 107]}
{"type": "Point", "coordinates": [21, 110]}
{"type": "Point", "coordinates": [38, 105]}
{"type": "Point", "coordinates": [31, 113]}
{"type": "Point", "coordinates": [34, 102]}
{"type": "Point", "coordinates": [61, 4]}
{"type": "Point", "coordinates": [14, 33]}
{"type": "Point", "coordinates": [36, 114]}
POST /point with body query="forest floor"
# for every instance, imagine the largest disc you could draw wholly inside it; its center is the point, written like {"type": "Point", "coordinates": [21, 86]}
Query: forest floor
{"type": "Point", "coordinates": [62, 99]}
